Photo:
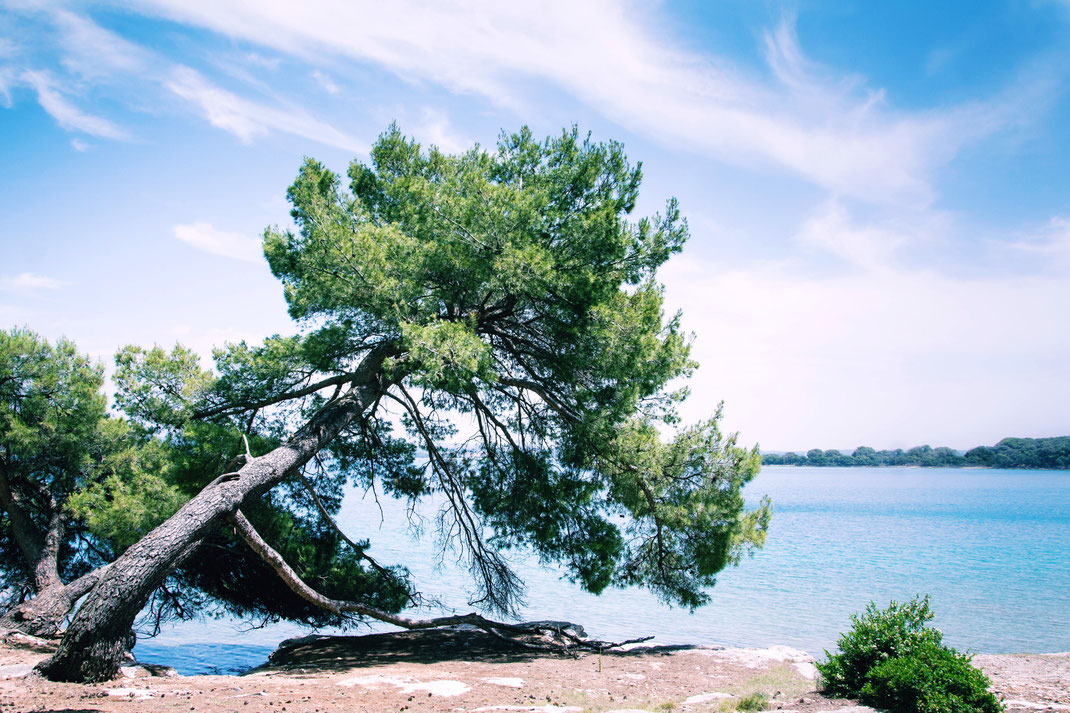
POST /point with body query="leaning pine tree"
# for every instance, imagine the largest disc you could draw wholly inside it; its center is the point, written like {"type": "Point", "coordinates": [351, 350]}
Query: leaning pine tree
{"type": "Point", "coordinates": [501, 306]}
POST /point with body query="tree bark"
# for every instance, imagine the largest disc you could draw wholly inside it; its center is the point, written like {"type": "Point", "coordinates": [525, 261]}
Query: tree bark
{"type": "Point", "coordinates": [53, 600]}
{"type": "Point", "coordinates": [44, 614]}
{"type": "Point", "coordinates": [92, 648]}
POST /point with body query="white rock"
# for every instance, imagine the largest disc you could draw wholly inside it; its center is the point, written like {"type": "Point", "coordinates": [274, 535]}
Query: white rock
{"type": "Point", "coordinates": [704, 697]}
{"type": "Point", "coordinates": [533, 709]}
{"type": "Point", "coordinates": [758, 658]}
{"type": "Point", "coordinates": [407, 685]}
{"type": "Point", "coordinates": [1037, 706]}
{"type": "Point", "coordinates": [438, 688]}
{"type": "Point", "coordinates": [137, 694]}
{"type": "Point", "coordinates": [17, 670]}
{"type": "Point", "coordinates": [505, 681]}
{"type": "Point", "coordinates": [373, 681]}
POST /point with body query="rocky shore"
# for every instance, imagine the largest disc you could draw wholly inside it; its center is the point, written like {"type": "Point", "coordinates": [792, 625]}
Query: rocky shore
{"type": "Point", "coordinates": [461, 671]}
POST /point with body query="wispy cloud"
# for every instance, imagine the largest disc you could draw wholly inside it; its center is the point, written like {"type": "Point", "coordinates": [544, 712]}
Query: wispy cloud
{"type": "Point", "coordinates": [79, 145]}
{"type": "Point", "coordinates": [204, 236]}
{"type": "Point", "coordinates": [66, 114]}
{"type": "Point", "coordinates": [867, 246]}
{"type": "Point", "coordinates": [7, 79]}
{"type": "Point", "coordinates": [92, 57]}
{"type": "Point", "coordinates": [247, 119]}
{"type": "Point", "coordinates": [326, 82]}
{"type": "Point", "coordinates": [826, 127]}
{"type": "Point", "coordinates": [91, 51]}
{"type": "Point", "coordinates": [27, 282]}
{"type": "Point", "coordinates": [1050, 244]}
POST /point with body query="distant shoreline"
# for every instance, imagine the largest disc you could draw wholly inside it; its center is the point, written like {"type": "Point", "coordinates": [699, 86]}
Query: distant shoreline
{"type": "Point", "coordinates": [909, 467]}
{"type": "Point", "coordinates": [1009, 454]}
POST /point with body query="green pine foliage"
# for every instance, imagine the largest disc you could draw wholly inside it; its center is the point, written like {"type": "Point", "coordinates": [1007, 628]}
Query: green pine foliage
{"type": "Point", "coordinates": [132, 492]}
{"type": "Point", "coordinates": [891, 660]}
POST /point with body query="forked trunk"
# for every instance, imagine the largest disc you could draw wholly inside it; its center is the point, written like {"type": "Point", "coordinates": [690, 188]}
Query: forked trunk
{"type": "Point", "coordinates": [53, 600]}
{"type": "Point", "coordinates": [45, 613]}
{"type": "Point", "coordinates": [93, 646]}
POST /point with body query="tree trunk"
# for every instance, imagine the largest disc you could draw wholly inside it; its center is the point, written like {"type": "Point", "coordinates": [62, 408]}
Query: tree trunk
{"type": "Point", "coordinates": [53, 600]}
{"type": "Point", "coordinates": [39, 550]}
{"type": "Point", "coordinates": [44, 614]}
{"type": "Point", "coordinates": [92, 648]}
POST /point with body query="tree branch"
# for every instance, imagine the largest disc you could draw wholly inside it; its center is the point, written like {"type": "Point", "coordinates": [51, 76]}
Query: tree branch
{"type": "Point", "coordinates": [337, 380]}
{"type": "Point", "coordinates": [500, 585]}
{"type": "Point", "coordinates": [334, 525]}
{"type": "Point", "coordinates": [542, 393]}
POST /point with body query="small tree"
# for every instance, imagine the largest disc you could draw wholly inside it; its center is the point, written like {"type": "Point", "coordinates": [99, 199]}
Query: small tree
{"type": "Point", "coordinates": [59, 452]}
{"type": "Point", "coordinates": [504, 308]}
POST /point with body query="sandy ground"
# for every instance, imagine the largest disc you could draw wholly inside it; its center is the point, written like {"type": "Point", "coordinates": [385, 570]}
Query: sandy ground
{"type": "Point", "coordinates": [460, 671]}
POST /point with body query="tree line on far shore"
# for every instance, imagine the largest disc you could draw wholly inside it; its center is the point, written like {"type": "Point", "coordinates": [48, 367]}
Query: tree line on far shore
{"type": "Point", "coordinates": [1024, 453]}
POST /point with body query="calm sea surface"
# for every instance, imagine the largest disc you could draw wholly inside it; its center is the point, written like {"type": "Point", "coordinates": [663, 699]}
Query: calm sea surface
{"type": "Point", "coordinates": [992, 547]}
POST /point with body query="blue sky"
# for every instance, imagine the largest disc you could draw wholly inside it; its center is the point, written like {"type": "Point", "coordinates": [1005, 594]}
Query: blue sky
{"type": "Point", "coordinates": [879, 193]}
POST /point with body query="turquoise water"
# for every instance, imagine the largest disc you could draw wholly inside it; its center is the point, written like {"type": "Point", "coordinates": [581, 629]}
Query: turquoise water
{"type": "Point", "coordinates": [992, 547]}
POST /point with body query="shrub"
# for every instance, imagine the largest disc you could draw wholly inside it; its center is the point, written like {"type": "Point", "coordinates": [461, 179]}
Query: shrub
{"type": "Point", "coordinates": [874, 638]}
{"type": "Point", "coordinates": [932, 679]}
{"type": "Point", "coordinates": [891, 660]}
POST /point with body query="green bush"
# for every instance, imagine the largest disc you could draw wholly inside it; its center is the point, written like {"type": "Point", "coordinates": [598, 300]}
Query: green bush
{"type": "Point", "coordinates": [874, 638]}
{"type": "Point", "coordinates": [890, 659]}
{"type": "Point", "coordinates": [932, 679]}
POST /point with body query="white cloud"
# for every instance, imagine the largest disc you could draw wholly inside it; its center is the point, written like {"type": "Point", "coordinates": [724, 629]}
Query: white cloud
{"type": "Point", "coordinates": [91, 51]}
{"type": "Point", "coordinates": [828, 129]}
{"type": "Point", "coordinates": [870, 247]}
{"type": "Point", "coordinates": [1051, 244]}
{"type": "Point", "coordinates": [203, 340]}
{"type": "Point", "coordinates": [262, 61]}
{"type": "Point", "coordinates": [325, 82]}
{"type": "Point", "coordinates": [29, 282]}
{"type": "Point", "coordinates": [434, 127]}
{"type": "Point", "coordinates": [66, 114]}
{"type": "Point", "coordinates": [7, 78]}
{"type": "Point", "coordinates": [79, 145]}
{"type": "Point", "coordinates": [204, 236]}
{"type": "Point", "coordinates": [248, 119]}
{"type": "Point", "coordinates": [893, 358]}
